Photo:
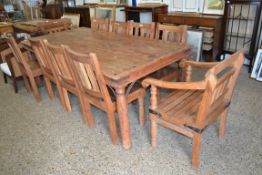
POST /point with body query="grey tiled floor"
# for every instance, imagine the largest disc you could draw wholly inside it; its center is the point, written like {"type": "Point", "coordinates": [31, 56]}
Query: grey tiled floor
{"type": "Point", "coordinates": [41, 138]}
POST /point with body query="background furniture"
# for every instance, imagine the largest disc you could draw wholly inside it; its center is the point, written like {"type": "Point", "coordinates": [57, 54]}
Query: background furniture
{"type": "Point", "coordinates": [133, 12]}
{"type": "Point", "coordinates": [198, 20]}
{"type": "Point", "coordinates": [84, 14]}
{"type": "Point", "coordinates": [242, 21]}
{"type": "Point", "coordinates": [74, 17]}
{"type": "Point", "coordinates": [193, 106]}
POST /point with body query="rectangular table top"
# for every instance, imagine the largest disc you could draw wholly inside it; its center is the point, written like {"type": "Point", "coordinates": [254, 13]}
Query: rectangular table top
{"type": "Point", "coordinates": [122, 58]}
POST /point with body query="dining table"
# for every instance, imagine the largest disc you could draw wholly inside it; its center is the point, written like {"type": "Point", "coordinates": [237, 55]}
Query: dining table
{"type": "Point", "coordinates": [124, 60]}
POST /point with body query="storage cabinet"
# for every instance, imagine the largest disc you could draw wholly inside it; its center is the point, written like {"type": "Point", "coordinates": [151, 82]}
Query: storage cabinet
{"type": "Point", "coordinates": [242, 19]}
{"type": "Point", "coordinates": [204, 22]}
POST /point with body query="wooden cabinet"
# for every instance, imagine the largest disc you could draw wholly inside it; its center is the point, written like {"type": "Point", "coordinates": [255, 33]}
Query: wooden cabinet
{"type": "Point", "coordinates": [132, 12]}
{"type": "Point", "coordinates": [199, 20]}
{"type": "Point", "coordinates": [242, 20]}
{"type": "Point", "coordinates": [84, 14]}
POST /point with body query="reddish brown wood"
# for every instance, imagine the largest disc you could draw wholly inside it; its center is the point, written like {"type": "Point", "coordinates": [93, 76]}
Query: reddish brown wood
{"type": "Point", "coordinates": [142, 30]}
{"type": "Point", "coordinates": [194, 106]}
{"type": "Point", "coordinates": [29, 68]}
{"type": "Point", "coordinates": [91, 86]}
{"type": "Point", "coordinates": [100, 25]}
{"type": "Point", "coordinates": [123, 60]}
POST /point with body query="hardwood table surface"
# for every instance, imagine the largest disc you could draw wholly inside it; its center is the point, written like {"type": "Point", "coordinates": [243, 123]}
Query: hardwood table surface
{"type": "Point", "coordinates": [123, 59]}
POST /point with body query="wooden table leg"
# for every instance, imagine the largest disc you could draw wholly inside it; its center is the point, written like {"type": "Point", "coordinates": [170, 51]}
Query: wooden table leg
{"type": "Point", "coordinates": [123, 117]}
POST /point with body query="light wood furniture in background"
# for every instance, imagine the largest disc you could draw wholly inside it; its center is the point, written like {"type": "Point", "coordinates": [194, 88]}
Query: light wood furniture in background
{"type": "Point", "coordinates": [193, 106]}
{"type": "Point", "coordinates": [74, 17]}
{"type": "Point", "coordinates": [123, 59]}
{"type": "Point", "coordinates": [85, 20]}
{"type": "Point", "coordinates": [92, 88]}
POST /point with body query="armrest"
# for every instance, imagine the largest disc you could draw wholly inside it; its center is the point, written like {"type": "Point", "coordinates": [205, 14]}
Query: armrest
{"type": "Point", "coordinates": [199, 85]}
{"type": "Point", "coordinates": [197, 64]}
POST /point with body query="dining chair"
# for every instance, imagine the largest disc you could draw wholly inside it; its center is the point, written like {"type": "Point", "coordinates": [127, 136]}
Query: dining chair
{"type": "Point", "coordinates": [64, 77]}
{"type": "Point", "coordinates": [92, 87]}
{"type": "Point", "coordinates": [45, 63]}
{"type": "Point", "coordinates": [194, 106]}
{"type": "Point", "coordinates": [142, 30]}
{"type": "Point", "coordinates": [100, 25]}
{"type": "Point", "coordinates": [171, 33]}
{"type": "Point", "coordinates": [28, 67]}
{"type": "Point", "coordinates": [119, 27]}
{"type": "Point", "coordinates": [10, 68]}
{"type": "Point", "coordinates": [176, 35]}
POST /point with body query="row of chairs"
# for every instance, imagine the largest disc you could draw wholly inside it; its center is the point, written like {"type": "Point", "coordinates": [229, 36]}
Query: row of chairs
{"type": "Point", "coordinates": [176, 34]}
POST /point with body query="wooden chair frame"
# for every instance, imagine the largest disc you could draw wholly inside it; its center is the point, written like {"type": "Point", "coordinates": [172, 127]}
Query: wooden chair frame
{"type": "Point", "coordinates": [119, 27]}
{"type": "Point", "coordinates": [93, 90]}
{"type": "Point", "coordinates": [29, 68]}
{"type": "Point", "coordinates": [45, 63]}
{"type": "Point", "coordinates": [210, 99]}
{"type": "Point", "coordinates": [63, 77]}
{"type": "Point", "coordinates": [142, 30]}
{"type": "Point", "coordinates": [100, 25]}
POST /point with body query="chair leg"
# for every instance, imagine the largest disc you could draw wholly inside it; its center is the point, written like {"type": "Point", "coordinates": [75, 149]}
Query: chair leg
{"type": "Point", "coordinates": [141, 111]}
{"type": "Point", "coordinates": [35, 88]}
{"type": "Point", "coordinates": [153, 132]}
{"type": "Point", "coordinates": [222, 126]}
{"type": "Point", "coordinates": [15, 85]}
{"type": "Point", "coordinates": [86, 112]}
{"type": "Point", "coordinates": [196, 146]}
{"type": "Point", "coordinates": [5, 77]}
{"type": "Point", "coordinates": [67, 105]}
{"type": "Point", "coordinates": [27, 84]}
{"type": "Point", "coordinates": [112, 126]}
{"type": "Point", "coordinates": [49, 88]}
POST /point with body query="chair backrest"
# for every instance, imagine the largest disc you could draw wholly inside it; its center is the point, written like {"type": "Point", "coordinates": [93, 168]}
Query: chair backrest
{"type": "Point", "coordinates": [221, 80]}
{"type": "Point", "coordinates": [53, 26]}
{"type": "Point", "coordinates": [100, 25]}
{"type": "Point", "coordinates": [59, 64]}
{"type": "Point", "coordinates": [20, 57]}
{"type": "Point", "coordinates": [171, 33]}
{"type": "Point", "coordinates": [119, 27]}
{"type": "Point", "coordinates": [41, 55]}
{"type": "Point", "coordinates": [87, 74]}
{"type": "Point", "coordinates": [142, 30]}
{"type": "Point", "coordinates": [74, 17]}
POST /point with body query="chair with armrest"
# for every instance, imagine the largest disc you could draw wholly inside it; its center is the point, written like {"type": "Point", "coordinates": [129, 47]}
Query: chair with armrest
{"type": "Point", "coordinates": [93, 90]}
{"type": "Point", "coordinates": [28, 67]}
{"type": "Point", "coordinates": [193, 106]}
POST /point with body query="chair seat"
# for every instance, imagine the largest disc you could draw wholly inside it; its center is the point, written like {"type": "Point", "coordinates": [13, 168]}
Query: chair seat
{"type": "Point", "coordinates": [35, 67]}
{"type": "Point", "coordinates": [179, 107]}
{"type": "Point", "coordinates": [4, 68]}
